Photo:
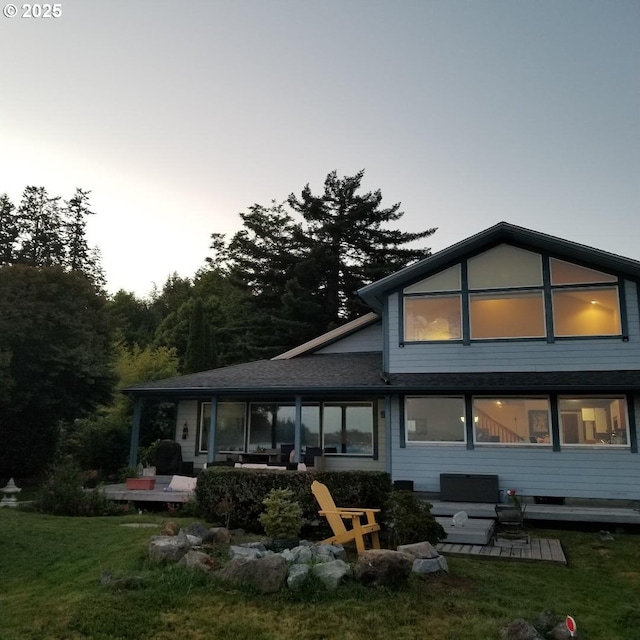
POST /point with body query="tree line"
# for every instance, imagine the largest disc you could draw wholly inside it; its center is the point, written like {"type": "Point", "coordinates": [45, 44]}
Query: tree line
{"type": "Point", "coordinates": [289, 274]}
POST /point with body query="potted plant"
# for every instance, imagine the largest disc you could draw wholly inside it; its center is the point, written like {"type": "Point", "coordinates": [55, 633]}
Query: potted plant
{"type": "Point", "coordinates": [282, 519]}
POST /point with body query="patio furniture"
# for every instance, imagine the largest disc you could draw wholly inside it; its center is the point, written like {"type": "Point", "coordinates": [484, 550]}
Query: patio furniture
{"type": "Point", "coordinates": [336, 517]}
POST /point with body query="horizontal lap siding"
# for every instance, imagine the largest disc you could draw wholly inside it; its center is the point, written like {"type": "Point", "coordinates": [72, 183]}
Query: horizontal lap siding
{"type": "Point", "coordinates": [365, 340]}
{"type": "Point", "coordinates": [576, 473]}
{"type": "Point", "coordinates": [567, 355]}
{"type": "Point", "coordinates": [188, 412]}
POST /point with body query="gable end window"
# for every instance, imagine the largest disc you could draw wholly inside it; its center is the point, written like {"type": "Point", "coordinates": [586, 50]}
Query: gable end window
{"type": "Point", "coordinates": [504, 293]}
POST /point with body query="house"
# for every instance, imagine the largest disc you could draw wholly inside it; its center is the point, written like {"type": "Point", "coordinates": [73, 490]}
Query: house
{"type": "Point", "coordinates": [512, 353]}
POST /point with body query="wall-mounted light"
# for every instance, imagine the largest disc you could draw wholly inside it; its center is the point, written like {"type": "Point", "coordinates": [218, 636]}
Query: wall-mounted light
{"type": "Point", "coordinates": [185, 430]}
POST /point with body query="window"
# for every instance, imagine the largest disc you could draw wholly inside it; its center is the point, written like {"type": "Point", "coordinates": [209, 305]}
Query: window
{"type": "Point", "coordinates": [512, 420]}
{"type": "Point", "coordinates": [507, 315]}
{"type": "Point", "coordinates": [433, 318]}
{"type": "Point", "coordinates": [435, 419]}
{"type": "Point", "coordinates": [586, 312]}
{"type": "Point", "coordinates": [504, 296]}
{"type": "Point", "coordinates": [230, 427]}
{"type": "Point", "coordinates": [594, 421]}
{"type": "Point", "coordinates": [348, 427]}
{"type": "Point", "coordinates": [271, 425]}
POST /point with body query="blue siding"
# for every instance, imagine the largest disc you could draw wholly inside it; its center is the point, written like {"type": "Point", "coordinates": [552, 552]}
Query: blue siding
{"type": "Point", "coordinates": [576, 473]}
{"type": "Point", "coordinates": [367, 339]}
{"type": "Point", "coordinates": [563, 355]}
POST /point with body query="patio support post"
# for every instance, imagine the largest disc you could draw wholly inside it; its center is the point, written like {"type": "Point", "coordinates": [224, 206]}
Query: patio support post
{"type": "Point", "coordinates": [211, 442]}
{"type": "Point", "coordinates": [297, 440]}
{"type": "Point", "coordinates": [387, 433]}
{"type": "Point", "coordinates": [135, 432]}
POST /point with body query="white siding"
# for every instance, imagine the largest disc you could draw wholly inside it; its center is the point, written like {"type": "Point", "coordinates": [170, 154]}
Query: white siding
{"type": "Point", "coordinates": [568, 355]}
{"type": "Point", "coordinates": [367, 339]}
{"type": "Point", "coordinates": [573, 473]}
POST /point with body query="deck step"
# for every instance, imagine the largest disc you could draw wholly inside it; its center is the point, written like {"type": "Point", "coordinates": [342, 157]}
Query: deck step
{"type": "Point", "coordinates": [476, 531]}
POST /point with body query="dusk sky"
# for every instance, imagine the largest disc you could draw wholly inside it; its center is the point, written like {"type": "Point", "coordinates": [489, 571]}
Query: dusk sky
{"type": "Point", "coordinates": [180, 115]}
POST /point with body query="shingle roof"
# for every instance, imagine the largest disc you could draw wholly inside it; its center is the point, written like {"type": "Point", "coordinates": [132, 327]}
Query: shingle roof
{"type": "Point", "coordinates": [361, 373]}
{"type": "Point", "coordinates": [373, 293]}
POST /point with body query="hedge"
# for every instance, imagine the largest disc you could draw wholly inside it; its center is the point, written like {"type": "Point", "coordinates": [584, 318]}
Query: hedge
{"type": "Point", "coordinates": [233, 497]}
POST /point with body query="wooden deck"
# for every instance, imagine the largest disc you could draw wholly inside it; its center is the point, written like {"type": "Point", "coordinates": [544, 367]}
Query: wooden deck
{"type": "Point", "coordinates": [119, 492]}
{"type": "Point", "coordinates": [548, 512]}
{"type": "Point", "coordinates": [538, 549]}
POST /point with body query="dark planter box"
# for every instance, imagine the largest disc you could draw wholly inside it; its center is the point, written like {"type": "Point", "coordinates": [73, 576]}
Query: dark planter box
{"type": "Point", "coordinates": [467, 487]}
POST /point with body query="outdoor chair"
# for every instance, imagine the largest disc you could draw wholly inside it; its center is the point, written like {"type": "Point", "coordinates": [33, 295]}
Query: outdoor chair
{"type": "Point", "coordinates": [337, 516]}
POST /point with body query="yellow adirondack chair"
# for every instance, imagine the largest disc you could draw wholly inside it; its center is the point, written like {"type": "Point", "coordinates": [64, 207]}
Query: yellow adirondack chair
{"type": "Point", "coordinates": [336, 516]}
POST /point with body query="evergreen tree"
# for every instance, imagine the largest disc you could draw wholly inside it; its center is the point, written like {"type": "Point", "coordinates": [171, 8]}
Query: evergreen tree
{"type": "Point", "coordinates": [76, 211]}
{"type": "Point", "coordinates": [302, 261]}
{"type": "Point", "coordinates": [41, 229]}
{"type": "Point", "coordinates": [200, 354]}
{"type": "Point", "coordinates": [8, 230]}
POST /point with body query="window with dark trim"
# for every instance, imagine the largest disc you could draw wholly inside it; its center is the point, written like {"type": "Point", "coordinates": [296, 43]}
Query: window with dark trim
{"type": "Point", "coordinates": [504, 295]}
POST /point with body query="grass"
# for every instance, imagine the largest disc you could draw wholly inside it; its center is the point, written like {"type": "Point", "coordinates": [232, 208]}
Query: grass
{"type": "Point", "coordinates": [50, 590]}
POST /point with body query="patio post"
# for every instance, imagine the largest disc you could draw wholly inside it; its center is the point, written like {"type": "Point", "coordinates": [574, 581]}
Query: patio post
{"type": "Point", "coordinates": [135, 432]}
{"type": "Point", "coordinates": [297, 441]}
{"type": "Point", "coordinates": [213, 421]}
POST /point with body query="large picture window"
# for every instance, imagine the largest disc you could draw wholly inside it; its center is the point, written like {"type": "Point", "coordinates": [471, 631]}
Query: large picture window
{"type": "Point", "coordinates": [507, 420]}
{"type": "Point", "coordinates": [504, 296]}
{"type": "Point", "coordinates": [435, 419]}
{"type": "Point", "coordinates": [593, 421]}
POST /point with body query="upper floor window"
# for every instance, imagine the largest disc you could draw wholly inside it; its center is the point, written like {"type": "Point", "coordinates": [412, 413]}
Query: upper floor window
{"type": "Point", "coordinates": [504, 293]}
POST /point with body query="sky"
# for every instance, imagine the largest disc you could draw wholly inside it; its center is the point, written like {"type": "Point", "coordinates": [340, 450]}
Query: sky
{"type": "Point", "coordinates": [178, 116]}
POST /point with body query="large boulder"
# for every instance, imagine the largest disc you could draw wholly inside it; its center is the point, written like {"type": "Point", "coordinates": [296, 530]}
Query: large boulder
{"type": "Point", "coordinates": [332, 573]}
{"type": "Point", "coordinates": [267, 574]}
{"type": "Point", "coordinates": [298, 574]}
{"type": "Point", "coordinates": [520, 629]}
{"type": "Point", "coordinates": [419, 550]}
{"type": "Point", "coordinates": [199, 560]}
{"type": "Point", "coordinates": [201, 531]}
{"type": "Point", "coordinates": [383, 567]}
{"type": "Point", "coordinates": [168, 548]}
{"type": "Point", "coordinates": [430, 565]}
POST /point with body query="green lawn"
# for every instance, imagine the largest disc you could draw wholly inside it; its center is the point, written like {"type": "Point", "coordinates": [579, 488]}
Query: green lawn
{"type": "Point", "coordinates": [50, 589]}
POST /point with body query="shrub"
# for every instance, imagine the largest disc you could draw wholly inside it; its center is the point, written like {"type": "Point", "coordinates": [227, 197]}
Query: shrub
{"type": "Point", "coordinates": [235, 497]}
{"type": "Point", "coordinates": [283, 516]}
{"type": "Point", "coordinates": [409, 520]}
{"type": "Point", "coordinates": [63, 495]}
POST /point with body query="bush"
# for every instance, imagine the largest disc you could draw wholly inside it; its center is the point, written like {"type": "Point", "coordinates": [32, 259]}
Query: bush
{"type": "Point", "coordinates": [283, 515]}
{"type": "Point", "coordinates": [409, 520]}
{"type": "Point", "coordinates": [63, 495]}
{"type": "Point", "coordinates": [235, 497]}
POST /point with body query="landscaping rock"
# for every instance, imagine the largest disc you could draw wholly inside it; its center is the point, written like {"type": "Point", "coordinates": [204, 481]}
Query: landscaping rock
{"type": "Point", "coordinates": [520, 629]}
{"type": "Point", "coordinates": [170, 529]}
{"type": "Point", "coordinates": [220, 535]}
{"type": "Point", "coordinates": [302, 554]}
{"type": "Point", "coordinates": [287, 555]}
{"type": "Point", "coordinates": [560, 632]}
{"type": "Point", "coordinates": [419, 550]}
{"type": "Point", "coordinates": [199, 560]}
{"type": "Point", "coordinates": [240, 551]}
{"type": "Point", "coordinates": [168, 548]}
{"type": "Point", "coordinates": [430, 565]}
{"type": "Point", "coordinates": [383, 568]}
{"type": "Point", "coordinates": [332, 573]}
{"type": "Point", "coordinates": [298, 574]}
{"type": "Point", "coordinates": [200, 531]}
{"type": "Point", "coordinates": [267, 574]}
{"type": "Point", "coordinates": [545, 621]}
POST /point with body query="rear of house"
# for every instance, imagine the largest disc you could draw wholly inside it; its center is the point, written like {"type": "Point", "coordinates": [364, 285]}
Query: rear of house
{"type": "Point", "coordinates": [512, 353]}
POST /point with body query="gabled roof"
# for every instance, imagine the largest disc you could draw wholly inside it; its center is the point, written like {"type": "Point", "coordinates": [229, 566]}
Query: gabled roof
{"type": "Point", "coordinates": [503, 232]}
{"type": "Point", "coordinates": [330, 337]}
{"type": "Point", "coordinates": [322, 373]}
{"type": "Point", "coordinates": [360, 374]}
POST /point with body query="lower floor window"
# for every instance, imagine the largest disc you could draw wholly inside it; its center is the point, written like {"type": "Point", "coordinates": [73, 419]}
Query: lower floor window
{"type": "Point", "coordinates": [508, 420]}
{"type": "Point", "coordinates": [341, 427]}
{"type": "Point", "coordinates": [593, 421]}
